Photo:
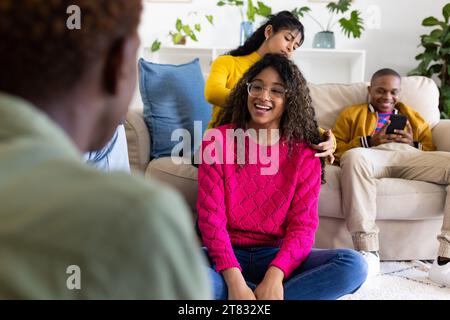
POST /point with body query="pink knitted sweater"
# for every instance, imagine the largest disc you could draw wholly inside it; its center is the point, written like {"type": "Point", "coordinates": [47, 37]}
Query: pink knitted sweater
{"type": "Point", "coordinates": [238, 206]}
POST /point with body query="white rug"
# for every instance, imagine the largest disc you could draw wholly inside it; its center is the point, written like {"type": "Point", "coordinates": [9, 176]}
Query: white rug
{"type": "Point", "coordinates": [401, 281]}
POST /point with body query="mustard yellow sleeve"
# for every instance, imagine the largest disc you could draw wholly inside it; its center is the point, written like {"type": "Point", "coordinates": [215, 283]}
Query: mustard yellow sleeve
{"type": "Point", "coordinates": [341, 131]}
{"type": "Point", "coordinates": [216, 91]}
{"type": "Point", "coordinates": [424, 138]}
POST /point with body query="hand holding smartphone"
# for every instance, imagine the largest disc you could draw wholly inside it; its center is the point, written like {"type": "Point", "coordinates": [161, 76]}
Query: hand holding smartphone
{"type": "Point", "coordinates": [398, 122]}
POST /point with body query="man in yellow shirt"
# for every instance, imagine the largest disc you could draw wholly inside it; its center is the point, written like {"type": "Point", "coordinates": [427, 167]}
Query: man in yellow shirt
{"type": "Point", "coordinates": [282, 33]}
{"type": "Point", "coordinates": [367, 152]}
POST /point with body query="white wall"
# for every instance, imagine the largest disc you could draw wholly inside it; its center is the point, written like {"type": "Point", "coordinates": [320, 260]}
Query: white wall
{"type": "Point", "coordinates": [393, 45]}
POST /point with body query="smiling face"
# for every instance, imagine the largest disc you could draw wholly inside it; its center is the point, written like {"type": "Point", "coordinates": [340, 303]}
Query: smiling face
{"type": "Point", "coordinates": [266, 100]}
{"type": "Point", "coordinates": [283, 42]}
{"type": "Point", "coordinates": [384, 92]}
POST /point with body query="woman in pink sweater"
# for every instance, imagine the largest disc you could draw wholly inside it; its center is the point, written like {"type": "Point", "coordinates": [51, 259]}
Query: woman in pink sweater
{"type": "Point", "coordinates": [259, 185]}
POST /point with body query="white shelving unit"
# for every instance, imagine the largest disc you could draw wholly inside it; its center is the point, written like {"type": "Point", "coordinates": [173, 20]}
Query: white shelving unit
{"type": "Point", "coordinates": [318, 65]}
{"type": "Point", "coordinates": [181, 54]}
{"type": "Point", "coordinates": [331, 65]}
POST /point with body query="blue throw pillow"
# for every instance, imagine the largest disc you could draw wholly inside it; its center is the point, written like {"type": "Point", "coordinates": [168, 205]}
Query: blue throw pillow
{"type": "Point", "coordinates": [173, 97]}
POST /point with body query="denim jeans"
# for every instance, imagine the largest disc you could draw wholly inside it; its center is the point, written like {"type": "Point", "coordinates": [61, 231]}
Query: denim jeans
{"type": "Point", "coordinates": [325, 274]}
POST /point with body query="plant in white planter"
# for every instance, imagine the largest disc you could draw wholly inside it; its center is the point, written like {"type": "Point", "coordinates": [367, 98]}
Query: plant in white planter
{"type": "Point", "coordinates": [350, 26]}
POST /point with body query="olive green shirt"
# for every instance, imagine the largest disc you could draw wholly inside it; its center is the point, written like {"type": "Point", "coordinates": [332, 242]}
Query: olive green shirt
{"type": "Point", "coordinates": [68, 231]}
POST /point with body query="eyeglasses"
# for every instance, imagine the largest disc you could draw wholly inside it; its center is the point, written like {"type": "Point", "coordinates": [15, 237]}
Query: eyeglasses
{"type": "Point", "coordinates": [256, 89]}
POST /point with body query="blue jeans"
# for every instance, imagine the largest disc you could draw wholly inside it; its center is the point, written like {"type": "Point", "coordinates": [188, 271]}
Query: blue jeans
{"type": "Point", "coordinates": [324, 275]}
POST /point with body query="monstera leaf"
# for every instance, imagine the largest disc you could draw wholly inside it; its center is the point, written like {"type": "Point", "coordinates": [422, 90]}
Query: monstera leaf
{"type": "Point", "coordinates": [352, 26]}
{"type": "Point", "coordinates": [339, 7]}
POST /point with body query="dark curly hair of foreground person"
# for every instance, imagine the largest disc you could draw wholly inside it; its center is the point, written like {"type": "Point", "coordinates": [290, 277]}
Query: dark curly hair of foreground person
{"type": "Point", "coordinates": [39, 53]}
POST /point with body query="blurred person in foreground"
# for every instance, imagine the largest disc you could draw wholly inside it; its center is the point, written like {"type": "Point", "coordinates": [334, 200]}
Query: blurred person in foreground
{"type": "Point", "coordinates": [70, 231]}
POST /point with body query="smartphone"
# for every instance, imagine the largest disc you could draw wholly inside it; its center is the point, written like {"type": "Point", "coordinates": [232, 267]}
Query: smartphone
{"type": "Point", "coordinates": [398, 122]}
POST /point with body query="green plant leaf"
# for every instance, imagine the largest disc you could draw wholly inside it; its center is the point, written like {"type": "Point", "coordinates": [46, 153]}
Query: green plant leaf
{"type": "Point", "coordinates": [444, 51]}
{"type": "Point", "coordinates": [187, 30]}
{"type": "Point", "coordinates": [178, 25]}
{"type": "Point", "coordinates": [300, 12]}
{"type": "Point", "coordinates": [419, 56]}
{"type": "Point", "coordinates": [445, 91]}
{"type": "Point", "coordinates": [431, 39]}
{"type": "Point", "coordinates": [193, 37]}
{"type": "Point", "coordinates": [156, 45]}
{"type": "Point", "coordinates": [341, 6]}
{"type": "Point", "coordinates": [435, 69]}
{"type": "Point", "coordinates": [428, 39]}
{"type": "Point", "coordinates": [210, 18]}
{"type": "Point", "coordinates": [430, 21]}
{"type": "Point", "coordinates": [230, 3]}
{"type": "Point", "coordinates": [251, 11]}
{"type": "Point", "coordinates": [352, 26]}
{"type": "Point", "coordinates": [176, 37]}
{"type": "Point", "coordinates": [421, 70]}
{"type": "Point", "coordinates": [429, 55]}
{"type": "Point", "coordinates": [198, 27]}
{"type": "Point", "coordinates": [444, 101]}
{"type": "Point", "coordinates": [446, 40]}
{"type": "Point", "coordinates": [436, 33]}
{"type": "Point", "coordinates": [429, 45]}
{"type": "Point", "coordinates": [424, 71]}
{"type": "Point", "coordinates": [414, 72]}
{"type": "Point", "coordinates": [263, 10]}
{"type": "Point", "coordinates": [446, 12]}
{"type": "Point", "coordinates": [435, 60]}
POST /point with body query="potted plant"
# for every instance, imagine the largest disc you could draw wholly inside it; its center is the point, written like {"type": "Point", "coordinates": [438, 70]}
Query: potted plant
{"type": "Point", "coordinates": [182, 32]}
{"type": "Point", "coordinates": [252, 11]}
{"type": "Point", "coordinates": [435, 59]}
{"type": "Point", "coordinates": [350, 26]}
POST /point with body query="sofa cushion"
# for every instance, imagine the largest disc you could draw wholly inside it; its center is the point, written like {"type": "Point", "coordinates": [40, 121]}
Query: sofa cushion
{"type": "Point", "coordinates": [183, 177]}
{"type": "Point", "coordinates": [330, 193]}
{"type": "Point", "coordinates": [173, 99]}
{"type": "Point", "coordinates": [397, 199]}
{"type": "Point", "coordinates": [138, 140]}
{"type": "Point", "coordinates": [329, 100]}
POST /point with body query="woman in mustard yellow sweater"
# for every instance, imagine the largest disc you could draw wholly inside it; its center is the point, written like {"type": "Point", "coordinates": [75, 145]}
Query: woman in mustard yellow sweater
{"type": "Point", "coordinates": [282, 33]}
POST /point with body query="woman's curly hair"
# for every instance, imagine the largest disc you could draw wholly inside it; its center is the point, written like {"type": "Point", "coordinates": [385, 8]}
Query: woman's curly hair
{"type": "Point", "coordinates": [298, 122]}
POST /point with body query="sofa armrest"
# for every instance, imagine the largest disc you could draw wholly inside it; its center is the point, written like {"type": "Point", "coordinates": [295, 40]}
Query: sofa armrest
{"type": "Point", "coordinates": [138, 139]}
{"type": "Point", "coordinates": [441, 135]}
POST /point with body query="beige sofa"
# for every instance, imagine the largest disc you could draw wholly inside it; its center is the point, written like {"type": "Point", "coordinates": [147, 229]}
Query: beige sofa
{"type": "Point", "coordinates": [409, 213]}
